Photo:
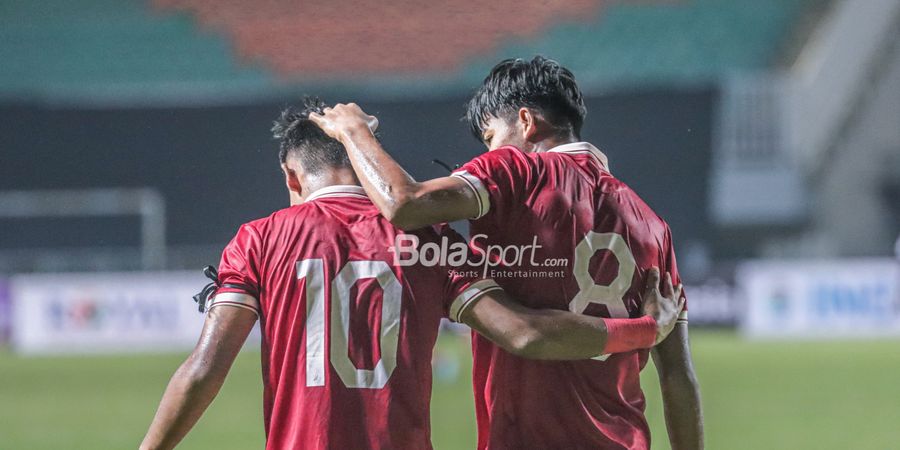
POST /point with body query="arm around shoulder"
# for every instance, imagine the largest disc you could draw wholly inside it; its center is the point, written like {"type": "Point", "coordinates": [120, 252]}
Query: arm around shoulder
{"type": "Point", "coordinates": [406, 203]}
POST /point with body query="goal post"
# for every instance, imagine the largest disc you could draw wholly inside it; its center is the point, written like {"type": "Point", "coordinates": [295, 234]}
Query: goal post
{"type": "Point", "coordinates": [147, 203]}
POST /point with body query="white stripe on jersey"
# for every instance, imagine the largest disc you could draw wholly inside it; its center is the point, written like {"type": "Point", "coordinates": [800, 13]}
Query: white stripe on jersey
{"type": "Point", "coordinates": [481, 194]}
{"type": "Point", "coordinates": [469, 296]}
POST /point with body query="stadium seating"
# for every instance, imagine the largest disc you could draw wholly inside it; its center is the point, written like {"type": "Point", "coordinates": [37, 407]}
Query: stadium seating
{"type": "Point", "coordinates": [156, 46]}
{"type": "Point", "coordinates": [641, 42]}
{"type": "Point", "coordinates": [108, 45]}
{"type": "Point", "coordinates": [603, 40]}
{"type": "Point", "coordinates": [326, 37]}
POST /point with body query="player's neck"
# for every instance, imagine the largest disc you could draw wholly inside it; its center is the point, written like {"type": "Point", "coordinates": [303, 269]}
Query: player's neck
{"type": "Point", "coordinates": [555, 141]}
{"type": "Point", "coordinates": [338, 177]}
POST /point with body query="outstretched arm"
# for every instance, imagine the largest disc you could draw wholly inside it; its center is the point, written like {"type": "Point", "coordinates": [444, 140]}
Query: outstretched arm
{"type": "Point", "coordinates": [407, 203]}
{"type": "Point", "coordinates": [680, 391]}
{"type": "Point", "coordinates": [199, 378]}
{"type": "Point", "coordinates": [562, 335]}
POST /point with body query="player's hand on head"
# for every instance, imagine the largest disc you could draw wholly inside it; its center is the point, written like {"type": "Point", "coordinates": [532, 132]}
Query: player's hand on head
{"type": "Point", "coordinates": [342, 119]}
{"type": "Point", "coordinates": [662, 302]}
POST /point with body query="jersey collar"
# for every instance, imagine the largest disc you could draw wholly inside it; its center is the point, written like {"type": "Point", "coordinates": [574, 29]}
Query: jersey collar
{"type": "Point", "coordinates": [583, 148]}
{"type": "Point", "coordinates": [338, 190]}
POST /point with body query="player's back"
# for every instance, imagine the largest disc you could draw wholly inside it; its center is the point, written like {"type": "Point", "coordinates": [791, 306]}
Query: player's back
{"type": "Point", "coordinates": [596, 239]}
{"type": "Point", "coordinates": [347, 336]}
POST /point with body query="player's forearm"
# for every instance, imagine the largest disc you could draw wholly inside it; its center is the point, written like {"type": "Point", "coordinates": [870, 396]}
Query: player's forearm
{"type": "Point", "coordinates": [554, 334]}
{"type": "Point", "coordinates": [560, 335]}
{"type": "Point", "coordinates": [533, 333]}
{"type": "Point", "coordinates": [390, 187]}
{"type": "Point", "coordinates": [189, 393]}
{"type": "Point", "coordinates": [405, 202]}
{"type": "Point", "coordinates": [684, 414]}
{"type": "Point", "coordinates": [564, 335]}
{"type": "Point", "coordinates": [680, 390]}
{"type": "Point", "coordinates": [198, 380]}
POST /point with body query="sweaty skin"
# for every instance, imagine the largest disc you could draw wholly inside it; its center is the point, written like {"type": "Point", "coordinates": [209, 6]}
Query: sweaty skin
{"type": "Point", "coordinates": [410, 204]}
{"type": "Point", "coordinates": [529, 333]}
{"type": "Point", "coordinates": [525, 332]}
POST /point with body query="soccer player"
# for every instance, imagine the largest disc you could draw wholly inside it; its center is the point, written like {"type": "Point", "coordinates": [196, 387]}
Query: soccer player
{"type": "Point", "coordinates": [347, 334]}
{"type": "Point", "coordinates": [539, 183]}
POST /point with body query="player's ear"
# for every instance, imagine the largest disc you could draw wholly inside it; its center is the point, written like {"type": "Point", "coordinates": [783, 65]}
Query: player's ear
{"type": "Point", "coordinates": [291, 179]}
{"type": "Point", "coordinates": [527, 124]}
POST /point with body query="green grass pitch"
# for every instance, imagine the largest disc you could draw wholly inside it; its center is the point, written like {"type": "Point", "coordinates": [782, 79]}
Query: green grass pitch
{"type": "Point", "coordinates": [756, 395]}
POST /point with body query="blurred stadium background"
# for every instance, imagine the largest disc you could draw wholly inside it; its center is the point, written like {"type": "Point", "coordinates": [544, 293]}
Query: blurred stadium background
{"type": "Point", "coordinates": [134, 138]}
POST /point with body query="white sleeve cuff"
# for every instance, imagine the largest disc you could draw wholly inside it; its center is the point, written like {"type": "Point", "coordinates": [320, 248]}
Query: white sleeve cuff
{"type": "Point", "coordinates": [236, 300]}
{"type": "Point", "coordinates": [481, 194]}
{"type": "Point", "coordinates": [469, 296]}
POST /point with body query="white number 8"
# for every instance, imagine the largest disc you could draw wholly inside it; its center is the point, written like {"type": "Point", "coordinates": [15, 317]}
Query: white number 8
{"type": "Point", "coordinates": [611, 295]}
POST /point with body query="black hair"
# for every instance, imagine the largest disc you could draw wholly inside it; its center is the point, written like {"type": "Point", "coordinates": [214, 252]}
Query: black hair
{"type": "Point", "coordinates": [541, 84]}
{"type": "Point", "coordinates": [303, 139]}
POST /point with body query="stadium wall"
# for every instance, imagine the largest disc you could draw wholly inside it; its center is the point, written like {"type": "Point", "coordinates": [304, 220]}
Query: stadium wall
{"type": "Point", "coordinates": [5, 311]}
{"type": "Point", "coordinates": [216, 167]}
{"type": "Point", "coordinates": [152, 311]}
{"type": "Point", "coordinates": [105, 312]}
{"type": "Point", "coordinates": [820, 298]}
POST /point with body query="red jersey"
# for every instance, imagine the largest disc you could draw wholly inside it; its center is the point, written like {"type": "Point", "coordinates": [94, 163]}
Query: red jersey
{"type": "Point", "coordinates": [591, 238]}
{"type": "Point", "coordinates": [347, 334]}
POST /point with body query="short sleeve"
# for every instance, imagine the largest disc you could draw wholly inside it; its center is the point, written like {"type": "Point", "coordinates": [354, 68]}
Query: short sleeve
{"type": "Point", "coordinates": [239, 271]}
{"type": "Point", "coordinates": [498, 178]}
{"type": "Point", "coordinates": [463, 284]}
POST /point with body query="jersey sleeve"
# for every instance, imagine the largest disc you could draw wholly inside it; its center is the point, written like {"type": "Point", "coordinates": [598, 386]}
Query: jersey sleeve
{"type": "Point", "coordinates": [239, 271]}
{"type": "Point", "coordinates": [463, 286]}
{"type": "Point", "coordinates": [672, 268]}
{"type": "Point", "coordinates": [498, 178]}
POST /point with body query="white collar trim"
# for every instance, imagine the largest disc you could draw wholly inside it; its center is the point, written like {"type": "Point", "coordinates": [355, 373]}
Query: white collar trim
{"type": "Point", "coordinates": [582, 147]}
{"type": "Point", "coordinates": [339, 190]}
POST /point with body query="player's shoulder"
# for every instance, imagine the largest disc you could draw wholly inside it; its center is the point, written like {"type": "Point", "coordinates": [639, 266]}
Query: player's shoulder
{"type": "Point", "coordinates": [262, 225]}
{"type": "Point", "coordinates": [255, 225]}
{"type": "Point", "coordinates": [249, 234]}
{"type": "Point", "coordinates": [504, 163]}
{"type": "Point", "coordinates": [609, 183]}
{"type": "Point", "coordinates": [254, 229]}
{"type": "Point", "coordinates": [620, 192]}
{"type": "Point", "coordinates": [506, 155]}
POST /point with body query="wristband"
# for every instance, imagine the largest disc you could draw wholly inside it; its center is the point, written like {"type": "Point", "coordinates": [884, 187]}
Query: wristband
{"type": "Point", "coordinates": [623, 335]}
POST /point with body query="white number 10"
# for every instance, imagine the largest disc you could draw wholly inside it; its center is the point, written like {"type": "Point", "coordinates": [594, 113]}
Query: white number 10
{"type": "Point", "coordinates": [314, 273]}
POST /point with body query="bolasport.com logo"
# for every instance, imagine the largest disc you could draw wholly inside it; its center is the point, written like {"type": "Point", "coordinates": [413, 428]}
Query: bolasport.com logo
{"type": "Point", "coordinates": [477, 258]}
